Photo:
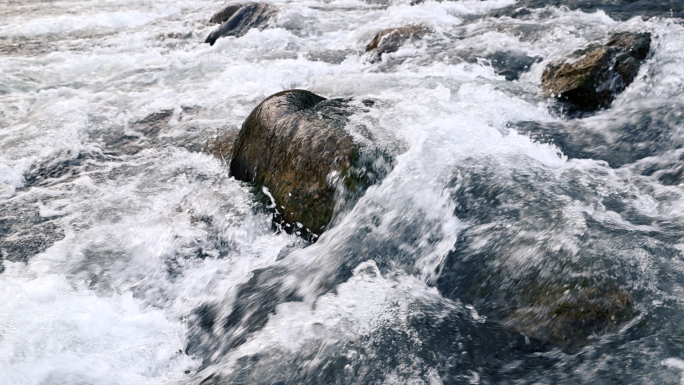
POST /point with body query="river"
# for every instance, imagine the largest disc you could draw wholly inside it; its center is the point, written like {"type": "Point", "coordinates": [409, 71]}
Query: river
{"type": "Point", "coordinates": [124, 248]}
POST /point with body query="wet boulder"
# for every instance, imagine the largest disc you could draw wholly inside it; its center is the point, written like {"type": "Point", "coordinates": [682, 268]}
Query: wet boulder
{"type": "Point", "coordinates": [311, 158]}
{"type": "Point", "coordinates": [237, 19]}
{"type": "Point", "coordinates": [599, 74]}
{"type": "Point", "coordinates": [225, 14]}
{"type": "Point", "coordinates": [389, 40]}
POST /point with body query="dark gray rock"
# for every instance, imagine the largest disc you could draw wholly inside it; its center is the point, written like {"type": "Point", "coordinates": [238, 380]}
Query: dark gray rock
{"type": "Point", "coordinates": [23, 231]}
{"type": "Point", "coordinates": [237, 22]}
{"type": "Point", "coordinates": [650, 131]}
{"type": "Point", "coordinates": [592, 81]}
{"type": "Point", "coordinates": [225, 14]}
{"type": "Point", "coordinates": [510, 64]}
{"type": "Point", "coordinates": [64, 165]}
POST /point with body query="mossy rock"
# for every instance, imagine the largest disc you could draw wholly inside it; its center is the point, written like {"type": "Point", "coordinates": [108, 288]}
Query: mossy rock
{"type": "Point", "coordinates": [601, 72]}
{"type": "Point", "coordinates": [569, 316]}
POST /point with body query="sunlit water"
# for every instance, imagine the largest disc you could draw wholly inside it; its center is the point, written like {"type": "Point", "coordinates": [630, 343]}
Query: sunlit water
{"type": "Point", "coordinates": [123, 249]}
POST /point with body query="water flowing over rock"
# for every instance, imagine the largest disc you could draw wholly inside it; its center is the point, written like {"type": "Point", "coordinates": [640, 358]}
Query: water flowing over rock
{"type": "Point", "coordinates": [617, 9]}
{"type": "Point", "coordinates": [506, 267]}
{"type": "Point", "coordinates": [222, 145]}
{"type": "Point", "coordinates": [153, 123]}
{"type": "Point", "coordinates": [238, 19]}
{"type": "Point", "coordinates": [593, 81]}
{"type": "Point", "coordinates": [569, 317]}
{"type": "Point", "coordinates": [389, 40]}
{"type": "Point", "coordinates": [650, 131]}
{"type": "Point", "coordinates": [301, 148]}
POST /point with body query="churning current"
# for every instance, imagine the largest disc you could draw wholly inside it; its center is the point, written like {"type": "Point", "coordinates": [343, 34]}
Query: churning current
{"type": "Point", "coordinates": [511, 243]}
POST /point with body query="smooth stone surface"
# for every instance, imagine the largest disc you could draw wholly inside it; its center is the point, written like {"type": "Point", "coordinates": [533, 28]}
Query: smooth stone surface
{"type": "Point", "coordinates": [225, 14]}
{"type": "Point", "coordinates": [240, 21]}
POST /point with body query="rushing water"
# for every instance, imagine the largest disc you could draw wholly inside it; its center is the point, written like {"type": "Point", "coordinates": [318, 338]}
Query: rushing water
{"type": "Point", "coordinates": [124, 248]}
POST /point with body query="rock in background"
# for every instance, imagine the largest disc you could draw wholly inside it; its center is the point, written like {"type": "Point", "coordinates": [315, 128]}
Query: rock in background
{"type": "Point", "coordinates": [237, 19]}
{"type": "Point", "coordinates": [593, 81]}
{"type": "Point", "coordinates": [389, 40]}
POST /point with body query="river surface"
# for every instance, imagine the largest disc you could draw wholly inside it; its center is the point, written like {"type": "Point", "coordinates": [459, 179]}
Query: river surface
{"type": "Point", "coordinates": [124, 248]}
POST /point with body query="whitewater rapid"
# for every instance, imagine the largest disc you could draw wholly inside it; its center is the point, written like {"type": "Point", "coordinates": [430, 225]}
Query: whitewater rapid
{"type": "Point", "coordinates": [123, 246]}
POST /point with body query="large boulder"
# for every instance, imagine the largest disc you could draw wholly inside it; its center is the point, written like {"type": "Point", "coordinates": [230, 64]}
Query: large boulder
{"type": "Point", "coordinates": [306, 157]}
{"type": "Point", "coordinates": [600, 73]}
{"type": "Point", "coordinates": [389, 40]}
{"type": "Point", "coordinates": [237, 19]}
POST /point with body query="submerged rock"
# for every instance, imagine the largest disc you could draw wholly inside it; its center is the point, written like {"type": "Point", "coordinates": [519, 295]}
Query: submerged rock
{"type": "Point", "coordinates": [593, 81]}
{"type": "Point", "coordinates": [25, 229]}
{"type": "Point", "coordinates": [300, 151]}
{"type": "Point", "coordinates": [561, 311]}
{"type": "Point", "coordinates": [389, 40]}
{"type": "Point", "coordinates": [425, 341]}
{"type": "Point", "coordinates": [514, 266]}
{"type": "Point", "coordinates": [152, 124]}
{"type": "Point", "coordinates": [510, 63]}
{"type": "Point", "coordinates": [238, 19]}
{"type": "Point", "coordinates": [570, 317]}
